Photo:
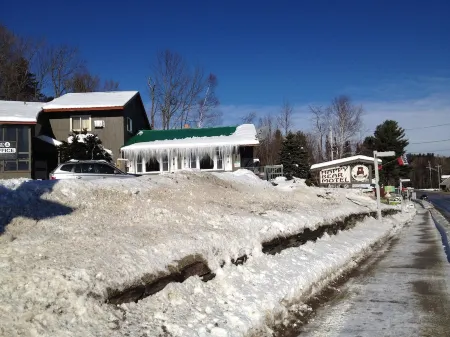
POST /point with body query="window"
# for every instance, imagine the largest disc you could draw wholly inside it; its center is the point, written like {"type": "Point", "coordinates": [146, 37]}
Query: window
{"type": "Point", "coordinates": [206, 163]}
{"type": "Point", "coordinates": [129, 125]}
{"type": "Point", "coordinates": [219, 157]}
{"type": "Point", "coordinates": [67, 168]}
{"type": "Point", "coordinates": [193, 161]}
{"type": "Point", "coordinates": [152, 165]}
{"type": "Point", "coordinates": [104, 169]}
{"type": "Point", "coordinates": [139, 164]}
{"type": "Point", "coordinates": [79, 123]}
{"type": "Point", "coordinates": [19, 137]}
{"type": "Point", "coordinates": [165, 163]}
{"type": "Point", "coordinates": [87, 168]}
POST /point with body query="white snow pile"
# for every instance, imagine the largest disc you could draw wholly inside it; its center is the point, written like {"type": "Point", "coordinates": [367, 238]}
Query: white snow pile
{"type": "Point", "coordinates": [65, 243]}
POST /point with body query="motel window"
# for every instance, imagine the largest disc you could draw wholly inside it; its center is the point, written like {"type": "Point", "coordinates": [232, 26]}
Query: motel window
{"type": "Point", "coordinates": [193, 160]}
{"type": "Point", "coordinates": [165, 163]}
{"type": "Point", "coordinates": [139, 164]}
{"type": "Point", "coordinates": [219, 156]}
{"type": "Point", "coordinates": [206, 163]}
{"type": "Point", "coordinates": [80, 123]}
{"type": "Point", "coordinates": [19, 138]}
{"type": "Point", "coordinates": [129, 125]}
{"type": "Point", "coordinates": [152, 165]}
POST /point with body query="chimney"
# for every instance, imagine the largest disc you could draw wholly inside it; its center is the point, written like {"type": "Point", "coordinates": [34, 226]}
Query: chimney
{"type": "Point", "coordinates": [186, 126]}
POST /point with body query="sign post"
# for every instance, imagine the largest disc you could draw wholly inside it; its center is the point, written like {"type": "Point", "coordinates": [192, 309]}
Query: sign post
{"type": "Point", "coordinates": [401, 188]}
{"type": "Point", "coordinates": [377, 154]}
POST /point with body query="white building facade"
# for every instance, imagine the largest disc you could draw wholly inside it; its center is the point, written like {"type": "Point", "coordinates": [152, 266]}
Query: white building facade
{"type": "Point", "coordinates": [206, 149]}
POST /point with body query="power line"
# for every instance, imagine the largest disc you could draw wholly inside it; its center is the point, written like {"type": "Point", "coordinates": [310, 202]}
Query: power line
{"type": "Point", "coordinates": [427, 127]}
{"type": "Point", "coordinates": [431, 141]}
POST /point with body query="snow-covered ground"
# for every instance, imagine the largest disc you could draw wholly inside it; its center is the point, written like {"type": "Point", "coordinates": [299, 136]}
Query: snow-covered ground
{"type": "Point", "coordinates": [66, 242]}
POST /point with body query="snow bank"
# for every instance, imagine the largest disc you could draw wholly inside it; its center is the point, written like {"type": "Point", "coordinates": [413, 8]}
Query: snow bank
{"type": "Point", "coordinates": [65, 243]}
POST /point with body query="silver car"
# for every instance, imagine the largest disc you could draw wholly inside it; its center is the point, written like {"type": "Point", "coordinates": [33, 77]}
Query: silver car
{"type": "Point", "coordinates": [88, 170]}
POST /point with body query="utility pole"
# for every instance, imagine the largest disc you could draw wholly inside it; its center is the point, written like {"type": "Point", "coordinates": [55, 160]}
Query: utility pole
{"type": "Point", "coordinates": [439, 175]}
{"type": "Point", "coordinates": [430, 168]}
{"type": "Point", "coordinates": [331, 142]}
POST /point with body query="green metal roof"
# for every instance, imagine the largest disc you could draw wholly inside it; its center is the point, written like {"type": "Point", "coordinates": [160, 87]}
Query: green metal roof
{"type": "Point", "coordinates": [154, 135]}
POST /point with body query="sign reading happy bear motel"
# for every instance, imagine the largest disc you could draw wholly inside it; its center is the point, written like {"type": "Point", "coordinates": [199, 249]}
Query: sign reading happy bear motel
{"type": "Point", "coordinates": [346, 172]}
{"type": "Point", "coordinates": [335, 175]}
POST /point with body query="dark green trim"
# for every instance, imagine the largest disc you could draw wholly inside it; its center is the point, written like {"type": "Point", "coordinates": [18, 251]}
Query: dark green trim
{"type": "Point", "coordinates": [154, 135]}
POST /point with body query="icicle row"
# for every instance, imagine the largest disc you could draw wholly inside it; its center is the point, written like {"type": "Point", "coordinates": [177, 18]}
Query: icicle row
{"type": "Point", "coordinates": [149, 153]}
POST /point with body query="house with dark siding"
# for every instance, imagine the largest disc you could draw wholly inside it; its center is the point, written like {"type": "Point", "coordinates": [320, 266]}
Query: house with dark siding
{"type": "Point", "coordinates": [114, 116]}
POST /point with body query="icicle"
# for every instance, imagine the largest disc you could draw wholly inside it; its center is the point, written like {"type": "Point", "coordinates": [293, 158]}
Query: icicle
{"type": "Point", "coordinates": [149, 153]}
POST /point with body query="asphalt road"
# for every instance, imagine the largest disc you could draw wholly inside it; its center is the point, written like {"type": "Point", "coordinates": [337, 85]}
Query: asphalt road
{"type": "Point", "coordinates": [440, 200]}
{"type": "Point", "coordinates": [406, 293]}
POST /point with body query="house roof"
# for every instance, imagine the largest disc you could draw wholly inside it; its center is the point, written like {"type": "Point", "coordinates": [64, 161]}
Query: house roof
{"type": "Point", "coordinates": [445, 182]}
{"type": "Point", "coordinates": [19, 112]}
{"type": "Point", "coordinates": [91, 101]}
{"type": "Point", "coordinates": [338, 162]}
{"type": "Point", "coordinates": [244, 134]}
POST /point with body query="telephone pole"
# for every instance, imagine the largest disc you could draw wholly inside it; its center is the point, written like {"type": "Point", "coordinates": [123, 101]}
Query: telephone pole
{"type": "Point", "coordinates": [439, 175]}
{"type": "Point", "coordinates": [430, 168]}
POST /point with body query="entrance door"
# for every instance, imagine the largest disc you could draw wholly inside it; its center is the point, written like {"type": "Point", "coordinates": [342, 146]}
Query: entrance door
{"type": "Point", "coordinates": [40, 170]}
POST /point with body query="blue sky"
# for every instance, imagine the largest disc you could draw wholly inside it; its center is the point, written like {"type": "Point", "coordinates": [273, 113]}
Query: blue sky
{"type": "Point", "coordinates": [390, 56]}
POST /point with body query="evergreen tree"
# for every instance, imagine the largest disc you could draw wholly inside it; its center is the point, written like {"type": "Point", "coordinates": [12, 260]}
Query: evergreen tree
{"type": "Point", "coordinates": [389, 136]}
{"type": "Point", "coordinates": [83, 146]}
{"type": "Point", "coordinates": [294, 156]}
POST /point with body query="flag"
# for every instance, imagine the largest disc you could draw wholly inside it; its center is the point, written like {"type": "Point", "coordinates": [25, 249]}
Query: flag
{"type": "Point", "coordinates": [402, 160]}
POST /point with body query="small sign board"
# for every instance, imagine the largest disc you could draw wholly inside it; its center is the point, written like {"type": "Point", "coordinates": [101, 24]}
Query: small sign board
{"type": "Point", "coordinates": [8, 150]}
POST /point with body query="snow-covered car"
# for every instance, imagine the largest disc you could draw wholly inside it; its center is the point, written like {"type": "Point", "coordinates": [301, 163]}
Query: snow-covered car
{"type": "Point", "coordinates": [88, 170]}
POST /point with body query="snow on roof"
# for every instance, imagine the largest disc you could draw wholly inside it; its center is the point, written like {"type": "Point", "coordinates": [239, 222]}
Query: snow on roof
{"type": "Point", "coordinates": [366, 159]}
{"type": "Point", "coordinates": [89, 100]}
{"type": "Point", "coordinates": [49, 140]}
{"type": "Point", "coordinates": [18, 111]}
{"type": "Point", "coordinates": [198, 140]}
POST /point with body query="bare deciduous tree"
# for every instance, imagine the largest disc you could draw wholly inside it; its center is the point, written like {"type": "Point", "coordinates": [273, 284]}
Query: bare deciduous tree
{"type": "Point", "coordinates": [249, 118]}
{"type": "Point", "coordinates": [207, 105]}
{"type": "Point", "coordinates": [284, 119]}
{"type": "Point", "coordinates": [177, 89]}
{"type": "Point", "coordinates": [346, 119]}
{"type": "Point", "coordinates": [83, 81]}
{"type": "Point", "coordinates": [320, 122]}
{"type": "Point", "coordinates": [110, 85]}
{"type": "Point", "coordinates": [64, 64]}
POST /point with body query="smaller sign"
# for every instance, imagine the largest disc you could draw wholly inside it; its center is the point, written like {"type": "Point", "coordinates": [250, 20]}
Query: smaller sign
{"type": "Point", "coordinates": [8, 150]}
{"type": "Point", "coordinates": [360, 173]}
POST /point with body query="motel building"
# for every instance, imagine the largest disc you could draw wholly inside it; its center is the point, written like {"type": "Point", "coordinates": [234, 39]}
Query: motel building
{"type": "Point", "coordinates": [351, 172]}
{"type": "Point", "coordinates": [206, 149]}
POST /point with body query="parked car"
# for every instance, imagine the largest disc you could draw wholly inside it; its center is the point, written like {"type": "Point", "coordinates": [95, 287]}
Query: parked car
{"type": "Point", "coordinates": [424, 197]}
{"type": "Point", "coordinates": [88, 170]}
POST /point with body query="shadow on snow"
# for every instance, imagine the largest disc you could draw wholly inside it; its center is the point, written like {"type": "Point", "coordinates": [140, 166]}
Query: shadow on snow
{"type": "Point", "coordinates": [25, 201]}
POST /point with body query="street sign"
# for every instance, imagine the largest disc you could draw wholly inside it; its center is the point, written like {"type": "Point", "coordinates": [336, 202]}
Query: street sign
{"type": "Point", "coordinates": [8, 150]}
{"type": "Point", "coordinates": [386, 154]}
{"type": "Point", "coordinates": [405, 180]}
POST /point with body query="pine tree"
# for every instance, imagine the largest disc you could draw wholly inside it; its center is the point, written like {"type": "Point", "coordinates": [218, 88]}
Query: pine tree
{"type": "Point", "coordinates": [294, 156]}
{"type": "Point", "coordinates": [389, 136]}
{"type": "Point", "coordinates": [83, 146]}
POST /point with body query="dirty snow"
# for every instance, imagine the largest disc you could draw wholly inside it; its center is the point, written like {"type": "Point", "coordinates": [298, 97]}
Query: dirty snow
{"type": "Point", "coordinates": [66, 242]}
